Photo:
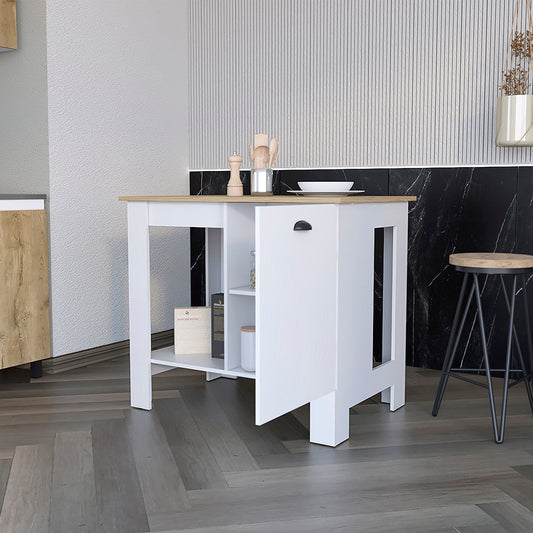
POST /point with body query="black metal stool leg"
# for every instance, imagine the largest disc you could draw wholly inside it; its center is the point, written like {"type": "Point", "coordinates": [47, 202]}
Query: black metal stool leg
{"type": "Point", "coordinates": [486, 357]}
{"type": "Point", "coordinates": [518, 348]}
{"type": "Point", "coordinates": [499, 440]}
{"type": "Point", "coordinates": [452, 344]}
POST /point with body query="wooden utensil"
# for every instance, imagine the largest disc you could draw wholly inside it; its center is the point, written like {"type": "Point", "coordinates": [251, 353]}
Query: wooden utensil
{"type": "Point", "coordinates": [274, 148]}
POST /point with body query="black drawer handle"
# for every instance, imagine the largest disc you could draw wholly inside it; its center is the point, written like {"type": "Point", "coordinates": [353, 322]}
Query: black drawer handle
{"type": "Point", "coordinates": [302, 225]}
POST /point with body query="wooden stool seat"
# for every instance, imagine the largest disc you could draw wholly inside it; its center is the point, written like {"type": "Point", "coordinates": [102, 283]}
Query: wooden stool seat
{"type": "Point", "coordinates": [492, 260]}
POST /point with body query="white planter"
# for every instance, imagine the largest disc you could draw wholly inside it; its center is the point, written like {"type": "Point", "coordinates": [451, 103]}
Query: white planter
{"type": "Point", "coordinates": [515, 120]}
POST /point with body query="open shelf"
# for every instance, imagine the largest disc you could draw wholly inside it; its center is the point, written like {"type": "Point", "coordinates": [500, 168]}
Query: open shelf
{"type": "Point", "coordinates": [204, 362]}
{"type": "Point", "coordinates": [245, 290]}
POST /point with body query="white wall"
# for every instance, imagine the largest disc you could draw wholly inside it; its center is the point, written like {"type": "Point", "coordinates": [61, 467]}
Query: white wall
{"type": "Point", "coordinates": [23, 105]}
{"type": "Point", "coordinates": [349, 83]}
{"type": "Point", "coordinates": [117, 107]}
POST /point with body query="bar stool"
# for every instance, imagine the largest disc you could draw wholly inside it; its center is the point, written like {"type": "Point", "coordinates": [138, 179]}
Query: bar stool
{"type": "Point", "coordinates": [474, 264]}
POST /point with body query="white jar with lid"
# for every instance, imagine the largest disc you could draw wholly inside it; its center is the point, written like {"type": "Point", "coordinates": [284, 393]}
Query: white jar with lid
{"type": "Point", "coordinates": [248, 348]}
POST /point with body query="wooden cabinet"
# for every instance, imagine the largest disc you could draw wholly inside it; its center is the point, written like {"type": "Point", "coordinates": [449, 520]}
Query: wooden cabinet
{"type": "Point", "coordinates": [24, 305]}
{"type": "Point", "coordinates": [312, 305]}
{"type": "Point", "coordinates": [8, 25]}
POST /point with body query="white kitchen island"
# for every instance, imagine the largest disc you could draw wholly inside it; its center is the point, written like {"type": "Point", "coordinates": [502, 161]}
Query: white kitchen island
{"type": "Point", "coordinates": [312, 306]}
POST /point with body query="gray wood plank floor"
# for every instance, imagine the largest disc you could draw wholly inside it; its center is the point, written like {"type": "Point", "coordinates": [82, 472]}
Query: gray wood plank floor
{"type": "Point", "coordinates": [75, 458]}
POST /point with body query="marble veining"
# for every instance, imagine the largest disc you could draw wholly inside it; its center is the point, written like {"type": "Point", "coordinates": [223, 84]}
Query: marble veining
{"type": "Point", "coordinates": [458, 210]}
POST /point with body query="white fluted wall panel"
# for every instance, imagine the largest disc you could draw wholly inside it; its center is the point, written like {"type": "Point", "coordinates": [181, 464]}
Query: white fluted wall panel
{"type": "Point", "coordinates": [349, 83]}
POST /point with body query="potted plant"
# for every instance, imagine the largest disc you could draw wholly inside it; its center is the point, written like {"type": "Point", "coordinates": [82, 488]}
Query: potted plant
{"type": "Point", "coordinates": [515, 106]}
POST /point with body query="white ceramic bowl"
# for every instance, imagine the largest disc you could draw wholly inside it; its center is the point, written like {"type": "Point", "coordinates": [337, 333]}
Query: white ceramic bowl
{"type": "Point", "coordinates": [325, 186]}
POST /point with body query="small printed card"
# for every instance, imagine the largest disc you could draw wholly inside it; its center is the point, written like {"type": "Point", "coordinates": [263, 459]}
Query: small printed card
{"type": "Point", "coordinates": [192, 330]}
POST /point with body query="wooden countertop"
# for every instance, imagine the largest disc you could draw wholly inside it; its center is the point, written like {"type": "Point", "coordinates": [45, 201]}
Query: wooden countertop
{"type": "Point", "coordinates": [276, 199]}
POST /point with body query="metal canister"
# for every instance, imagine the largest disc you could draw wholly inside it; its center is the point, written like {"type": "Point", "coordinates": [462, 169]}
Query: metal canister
{"type": "Point", "coordinates": [261, 182]}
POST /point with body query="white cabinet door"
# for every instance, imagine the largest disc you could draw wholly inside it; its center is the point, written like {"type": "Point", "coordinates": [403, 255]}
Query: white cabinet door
{"type": "Point", "coordinates": [296, 295]}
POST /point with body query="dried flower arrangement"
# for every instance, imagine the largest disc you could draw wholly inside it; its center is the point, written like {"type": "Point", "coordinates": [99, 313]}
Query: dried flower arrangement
{"type": "Point", "coordinates": [515, 105]}
{"type": "Point", "coordinates": [517, 79]}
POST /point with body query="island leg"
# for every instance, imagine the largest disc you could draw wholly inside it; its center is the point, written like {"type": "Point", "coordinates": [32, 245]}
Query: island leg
{"type": "Point", "coordinates": [330, 420]}
{"type": "Point", "coordinates": [139, 305]}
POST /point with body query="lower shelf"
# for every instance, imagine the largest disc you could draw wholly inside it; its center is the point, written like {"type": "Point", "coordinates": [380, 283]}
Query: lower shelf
{"type": "Point", "coordinates": [203, 362]}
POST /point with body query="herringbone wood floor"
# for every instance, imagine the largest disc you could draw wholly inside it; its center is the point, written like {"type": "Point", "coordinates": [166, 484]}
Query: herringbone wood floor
{"type": "Point", "coordinates": [75, 458]}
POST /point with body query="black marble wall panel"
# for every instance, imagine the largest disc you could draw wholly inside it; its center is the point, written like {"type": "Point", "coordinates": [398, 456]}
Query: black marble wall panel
{"type": "Point", "coordinates": [524, 228]}
{"type": "Point", "coordinates": [458, 210]}
{"type": "Point", "coordinates": [215, 181]}
{"type": "Point", "coordinates": [373, 181]}
{"type": "Point", "coordinates": [197, 266]}
{"type": "Point", "coordinates": [208, 182]}
{"type": "Point", "coordinates": [524, 245]}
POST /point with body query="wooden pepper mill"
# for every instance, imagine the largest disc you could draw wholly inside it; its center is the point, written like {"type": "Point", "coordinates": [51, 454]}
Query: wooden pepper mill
{"type": "Point", "coordinates": [234, 183]}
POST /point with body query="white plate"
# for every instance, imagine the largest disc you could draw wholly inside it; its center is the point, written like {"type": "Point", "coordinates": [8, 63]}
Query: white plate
{"type": "Point", "coordinates": [330, 186]}
{"type": "Point", "coordinates": [325, 193]}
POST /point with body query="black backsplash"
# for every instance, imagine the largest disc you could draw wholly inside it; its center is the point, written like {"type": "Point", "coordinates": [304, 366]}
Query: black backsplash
{"type": "Point", "coordinates": [464, 209]}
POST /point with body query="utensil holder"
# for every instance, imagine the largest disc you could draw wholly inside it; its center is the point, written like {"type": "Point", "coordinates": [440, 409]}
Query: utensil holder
{"type": "Point", "coordinates": [261, 182]}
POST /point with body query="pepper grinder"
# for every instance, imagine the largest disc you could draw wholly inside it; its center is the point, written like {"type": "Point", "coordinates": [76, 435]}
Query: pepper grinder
{"type": "Point", "coordinates": [234, 183]}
